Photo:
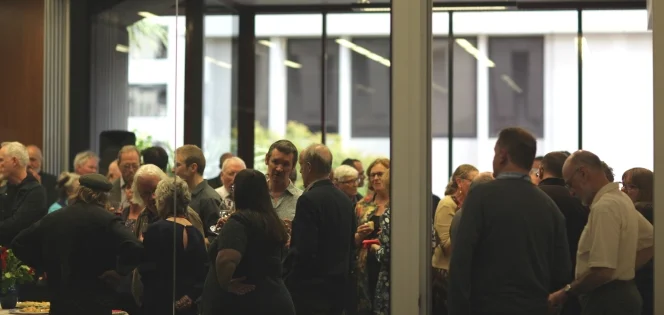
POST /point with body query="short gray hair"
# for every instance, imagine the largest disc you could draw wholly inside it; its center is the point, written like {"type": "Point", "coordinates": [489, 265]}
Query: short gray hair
{"type": "Point", "coordinates": [145, 171]}
{"type": "Point", "coordinates": [482, 178]}
{"type": "Point", "coordinates": [233, 159]}
{"type": "Point", "coordinates": [172, 197]}
{"type": "Point", "coordinates": [345, 171]}
{"type": "Point", "coordinates": [83, 157]}
{"type": "Point", "coordinates": [17, 150]}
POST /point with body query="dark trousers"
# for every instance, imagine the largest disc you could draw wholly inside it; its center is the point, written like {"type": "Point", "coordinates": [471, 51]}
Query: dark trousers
{"type": "Point", "coordinates": [614, 298]}
{"type": "Point", "coordinates": [315, 304]}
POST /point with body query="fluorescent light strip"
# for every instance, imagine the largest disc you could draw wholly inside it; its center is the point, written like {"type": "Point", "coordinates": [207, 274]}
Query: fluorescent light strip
{"type": "Point", "coordinates": [365, 52]}
{"type": "Point", "coordinates": [121, 48]}
{"type": "Point", "coordinates": [473, 51]}
{"type": "Point", "coordinates": [219, 63]}
{"type": "Point", "coordinates": [511, 83]}
{"type": "Point", "coordinates": [442, 9]}
{"type": "Point", "coordinates": [147, 15]}
{"type": "Point", "coordinates": [287, 63]}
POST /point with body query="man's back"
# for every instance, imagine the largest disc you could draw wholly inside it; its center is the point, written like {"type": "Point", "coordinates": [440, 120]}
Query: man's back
{"type": "Point", "coordinates": [510, 253]}
{"type": "Point", "coordinates": [322, 240]}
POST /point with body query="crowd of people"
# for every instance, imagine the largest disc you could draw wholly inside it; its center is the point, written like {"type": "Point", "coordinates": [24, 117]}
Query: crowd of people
{"type": "Point", "coordinates": [547, 235]}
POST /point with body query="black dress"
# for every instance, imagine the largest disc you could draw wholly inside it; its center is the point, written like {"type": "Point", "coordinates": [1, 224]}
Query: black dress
{"type": "Point", "coordinates": [260, 264]}
{"type": "Point", "coordinates": [157, 268]}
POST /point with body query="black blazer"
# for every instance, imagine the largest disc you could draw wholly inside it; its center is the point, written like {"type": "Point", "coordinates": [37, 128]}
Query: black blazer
{"type": "Point", "coordinates": [49, 182]}
{"type": "Point", "coordinates": [23, 205]}
{"type": "Point", "coordinates": [322, 249]}
{"type": "Point", "coordinates": [576, 214]}
{"type": "Point", "coordinates": [215, 182]}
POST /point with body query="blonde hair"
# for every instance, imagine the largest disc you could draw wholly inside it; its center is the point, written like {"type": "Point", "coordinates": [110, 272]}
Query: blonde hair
{"type": "Point", "coordinates": [386, 180]}
{"type": "Point", "coordinates": [461, 172]}
{"type": "Point", "coordinates": [66, 184]}
{"type": "Point", "coordinates": [382, 161]}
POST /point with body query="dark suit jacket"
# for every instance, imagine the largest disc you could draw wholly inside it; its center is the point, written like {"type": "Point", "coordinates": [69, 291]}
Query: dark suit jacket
{"type": "Point", "coordinates": [24, 205]}
{"type": "Point", "coordinates": [322, 248]}
{"type": "Point", "coordinates": [49, 182]}
{"type": "Point", "coordinates": [74, 246]}
{"type": "Point", "coordinates": [576, 214]}
{"type": "Point", "coordinates": [215, 182]}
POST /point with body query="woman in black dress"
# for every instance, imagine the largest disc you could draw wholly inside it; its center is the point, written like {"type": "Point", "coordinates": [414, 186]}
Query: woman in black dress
{"type": "Point", "coordinates": [172, 240]}
{"type": "Point", "coordinates": [245, 270]}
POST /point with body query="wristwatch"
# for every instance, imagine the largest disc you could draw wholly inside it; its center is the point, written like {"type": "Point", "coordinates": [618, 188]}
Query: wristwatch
{"type": "Point", "coordinates": [567, 289]}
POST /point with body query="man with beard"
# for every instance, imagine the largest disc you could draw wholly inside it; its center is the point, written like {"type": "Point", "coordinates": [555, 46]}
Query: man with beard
{"type": "Point", "coordinates": [280, 160]}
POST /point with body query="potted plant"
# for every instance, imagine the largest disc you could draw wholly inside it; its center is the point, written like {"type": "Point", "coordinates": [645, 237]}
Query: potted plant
{"type": "Point", "coordinates": [13, 272]}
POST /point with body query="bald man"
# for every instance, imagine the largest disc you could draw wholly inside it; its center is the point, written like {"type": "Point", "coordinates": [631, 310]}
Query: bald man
{"type": "Point", "coordinates": [322, 245]}
{"type": "Point", "coordinates": [47, 180]}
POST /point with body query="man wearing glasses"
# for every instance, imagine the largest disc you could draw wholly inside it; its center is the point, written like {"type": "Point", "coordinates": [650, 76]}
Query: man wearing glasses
{"type": "Point", "coordinates": [346, 178]}
{"type": "Point", "coordinates": [129, 160]}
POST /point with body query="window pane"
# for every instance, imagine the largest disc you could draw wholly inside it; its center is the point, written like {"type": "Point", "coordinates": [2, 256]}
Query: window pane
{"type": "Point", "coordinates": [288, 82]}
{"type": "Point", "coordinates": [360, 43]}
{"type": "Point", "coordinates": [440, 103]}
{"type": "Point", "coordinates": [617, 88]}
{"type": "Point", "coordinates": [156, 93]}
{"type": "Point", "coordinates": [525, 77]}
{"type": "Point", "coordinates": [218, 98]}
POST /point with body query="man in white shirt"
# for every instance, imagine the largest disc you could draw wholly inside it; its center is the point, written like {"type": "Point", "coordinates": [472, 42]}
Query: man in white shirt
{"type": "Point", "coordinates": [616, 241]}
{"type": "Point", "coordinates": [229, 169]}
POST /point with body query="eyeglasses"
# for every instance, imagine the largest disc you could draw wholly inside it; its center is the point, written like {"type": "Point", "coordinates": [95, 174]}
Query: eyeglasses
{"type": "Point", "coordinates": [568, 183]}
{"type": "Point", "coordinates": [129, 166]}
{"type": "Point", "coordinates": [625, 186]}
{"type": "Point", "coordinates": [379, 174]}
{"type": "Point", "coordinates": [350, 181]}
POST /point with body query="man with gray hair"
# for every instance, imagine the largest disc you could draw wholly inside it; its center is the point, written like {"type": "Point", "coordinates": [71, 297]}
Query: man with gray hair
{"type": "Point", "coordinates": [129, 160]}
{"type": "Point", "coordinates": [86, 162]}
{"type": "Point", "coordinates": [322, 247]}
{"type": "Point", "coordinates": [346, 178]}
{"type": "Point", "coordinates": [47, 180]}
{"type": "Point", "coordinates": [229, 169]}
{"type": "Point", "coordinates": [25, 202]}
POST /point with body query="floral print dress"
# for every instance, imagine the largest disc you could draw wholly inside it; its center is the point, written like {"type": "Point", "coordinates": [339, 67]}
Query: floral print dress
{"type": "Point", "coordinates": [382, 298]}
{"type": "Point", "coordinates": [365, 212]}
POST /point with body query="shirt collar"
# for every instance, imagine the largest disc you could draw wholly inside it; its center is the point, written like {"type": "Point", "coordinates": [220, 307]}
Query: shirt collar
{"type": "Point", "coordinates": [513, 175]}
{"type": "Point", "coordinates": [610, 187]}
{"type": "Point", "coordinates": [314, 183]}
{"type": "Point", "coordinates": [291, 189]}
{"type": "Point", "coordinates": [199, 188]}
{"type": "Point", "coordinates": [552, 181]}
{"type": "Point", "coordinates": [223, 192]}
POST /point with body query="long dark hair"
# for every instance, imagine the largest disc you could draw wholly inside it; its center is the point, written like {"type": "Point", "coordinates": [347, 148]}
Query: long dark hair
{"type": "Point", "coordinates": [252, 201]}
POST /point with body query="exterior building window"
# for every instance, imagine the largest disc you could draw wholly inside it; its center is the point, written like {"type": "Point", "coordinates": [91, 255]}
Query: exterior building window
{"type": "Point", "coordinates": [516, 84]}
{"type": "Point", "coordinates": [147, 100]}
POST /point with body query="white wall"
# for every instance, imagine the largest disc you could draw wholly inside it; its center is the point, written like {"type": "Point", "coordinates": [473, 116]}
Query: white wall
{"type": "Point", "coordinates": [617, 96]}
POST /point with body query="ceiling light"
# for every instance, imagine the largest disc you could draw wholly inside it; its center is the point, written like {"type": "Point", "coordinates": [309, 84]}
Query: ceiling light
{"type": "Point", "coordinates": [121, 48]}
{"type": "Point", "coordinates": [147, 15]}
{"type": "Point", "coordinates": [266, 43]}
{"type": "Point", "coordinates": [473, 51]}
{"type": "Point", "coordinates": [511, 83]}
{"type": "Point", "coordinates": [441, 9]}
{"type": "Point", "coordinates": [218, 63]}
{"type": "Point", "coordinates": [292, 64]}
{"type": "Point", "coordinates": [363, 51]}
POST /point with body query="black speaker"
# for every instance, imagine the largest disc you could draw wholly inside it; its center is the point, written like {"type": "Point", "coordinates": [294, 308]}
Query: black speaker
{"type": "Point", "coordinates": [110, 143]}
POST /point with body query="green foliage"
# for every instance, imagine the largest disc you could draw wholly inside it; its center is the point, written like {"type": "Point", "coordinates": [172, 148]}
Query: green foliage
{"type": "Point", "coordinates": [13, 270]}
{"type": "Point", "coordinates": [147, 32]}
{"type": "Point", "coordinates": [144, 141]}
{"type": "Point", "coordinates": [302, 137]}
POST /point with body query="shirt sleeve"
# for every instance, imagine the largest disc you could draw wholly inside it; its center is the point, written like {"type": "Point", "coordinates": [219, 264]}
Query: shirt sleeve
{"type": "Point", "coordinates": [604, 236]}
{"type": "Point", "coordinates": [443, 221]}
{"type": "Point", "coordinates": [233, 236]}
{"type": "Point", "coordinates": [645, 233]}
{"type": "Point", "coordinates": [468, 236]}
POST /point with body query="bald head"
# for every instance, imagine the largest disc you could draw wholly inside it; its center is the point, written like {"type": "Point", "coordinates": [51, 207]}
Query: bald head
{"type": "Point", "coordinates": [586, 159]}
{"type": "Point", "coordinates": [319, 157]}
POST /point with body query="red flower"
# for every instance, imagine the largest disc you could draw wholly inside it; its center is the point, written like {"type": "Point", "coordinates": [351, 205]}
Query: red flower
{"type": "Point", "coordinates": [31, 271]}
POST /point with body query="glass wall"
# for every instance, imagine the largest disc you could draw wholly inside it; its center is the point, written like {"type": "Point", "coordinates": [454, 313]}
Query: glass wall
{"type": "Point", "coordinates": [219, 105]}
{"type": "Point", "coordinates": [155, 95]}
{"type": "Point", "coordinates": [617, 88]}
{"type": "Point", "coordinates": [514, 76]}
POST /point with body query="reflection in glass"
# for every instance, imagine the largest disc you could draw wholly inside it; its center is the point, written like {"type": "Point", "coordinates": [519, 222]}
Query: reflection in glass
{"type": "Point", "coordinates": [617, 88]}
